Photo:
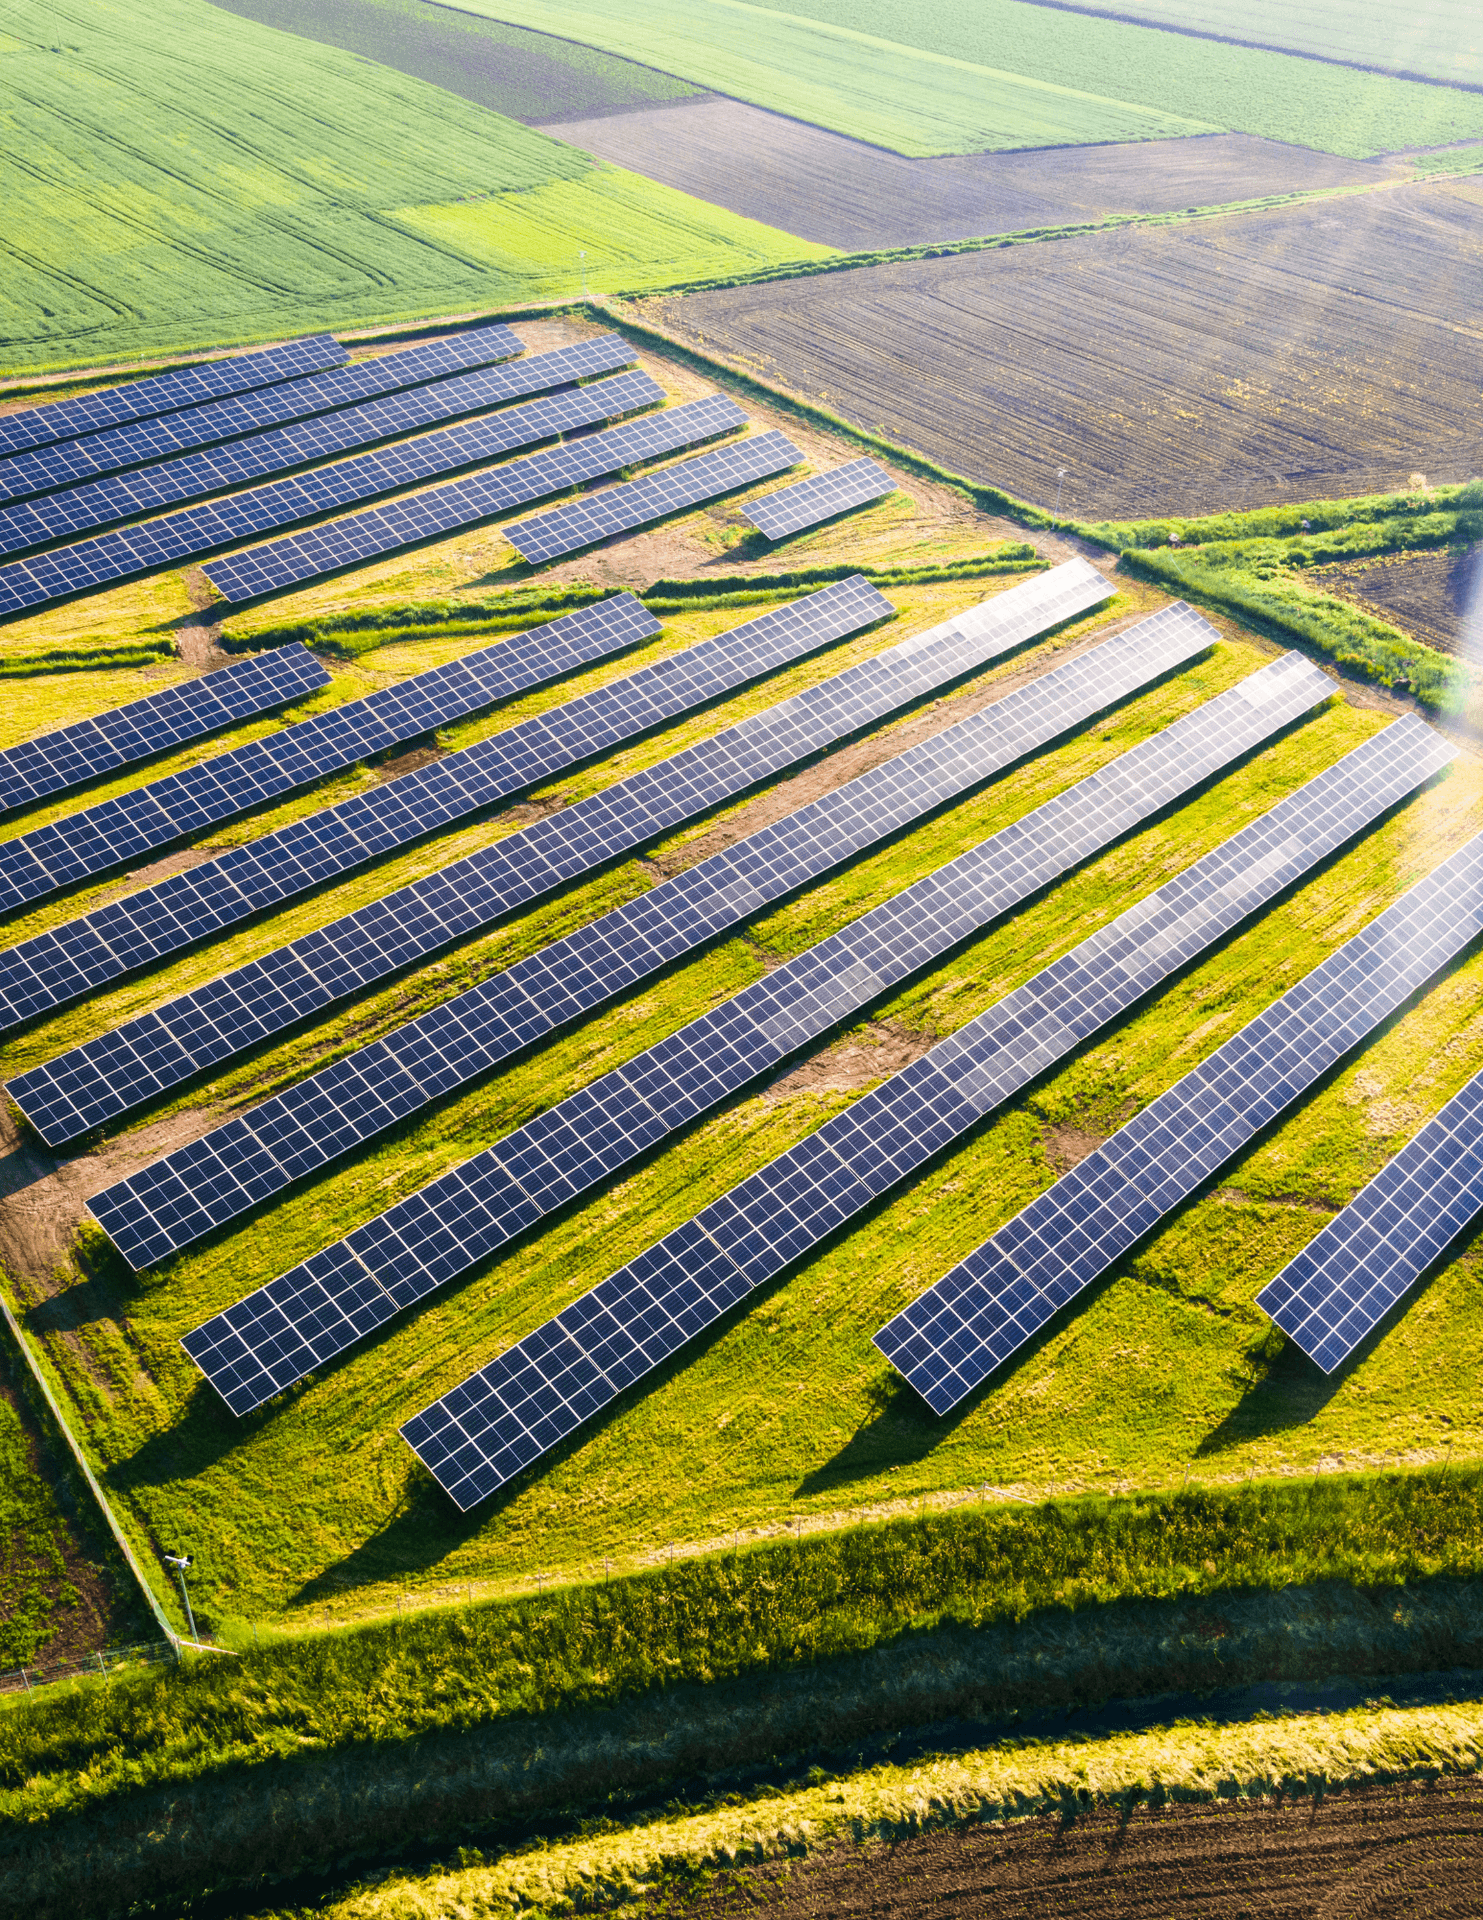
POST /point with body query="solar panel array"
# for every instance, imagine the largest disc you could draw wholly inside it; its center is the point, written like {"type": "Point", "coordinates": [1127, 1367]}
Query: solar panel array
{"type": "Point", "coordinates": [89, 748]}
{"type": "Point", "coordinates": [778, 514]}
{"type": "Point", "coordinates": [164, 392]}
{"type": "Point", "coordinates": [547, 536]}
{"type": "Point", "coordinates": [189, 1193]}
{"type": "Point", "coordinates": [442, 510]}
{"type": "Point", "coordinates": [985, 1310]}
{"type": "Point", "coordinates": [119, 1069]}
{"type": "Point", "coordinates": [67, 850]}
{"type": "Point", "coordinates": [119, 555]}
{"type": "Point", "coordinates": [544, 1165]}
{"type": "Point", "coordinates": [123, 496]}
{"type": "Point", "coordinates": [510, 1412]}
{"type": "Point", "coordinates": [93, 1083]}
{"type": "Point", "coordinates": [65, 462]}
{"type": "Point", "coordinates": [1349, 1276]}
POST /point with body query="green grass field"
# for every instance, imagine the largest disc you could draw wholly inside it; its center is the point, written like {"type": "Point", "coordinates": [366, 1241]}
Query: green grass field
{"type": "Point", "coordinates": [959, 78]}
{"type": "Point", "coordinates": [165, 188]}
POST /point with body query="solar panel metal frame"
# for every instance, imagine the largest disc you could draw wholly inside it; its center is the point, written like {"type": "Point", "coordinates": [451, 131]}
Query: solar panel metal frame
{"type": "Point", "coordinates": [84, 565]}
{"type": "Point", "coordinates": [1332, 1296]}
{"type": "Point", "coordinates": [65, 463]}
{"type": "Point", "coordinates": [147, 490]}
{"type": "Point", "coordinates": [637, 503]}
{"type": "Point", "coordinates": [819, 498]}
{"type": "Point", "coordinates": [984, 1311]}
{"type": "Point", "coordinates": [550, 1161]}
{"type": "Point", "coordinates": [166, 392]}
{"type": "Point", "coordinates": [512, 1410]}
{"type": "Point", "coordinates": [54, 762]}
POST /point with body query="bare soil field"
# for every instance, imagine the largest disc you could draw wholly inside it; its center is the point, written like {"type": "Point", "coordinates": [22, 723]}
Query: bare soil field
{"type": "Point", "coordinates": [843, 193]}
{"type": "Point", "coordinates": [529, 76]}
{"type": "Point", "coordinates": [1289, 354]}
{"type": "Point", "coordinates": [1383, 1853]}
{"type": "Point", "coordinates": [1436, 597]}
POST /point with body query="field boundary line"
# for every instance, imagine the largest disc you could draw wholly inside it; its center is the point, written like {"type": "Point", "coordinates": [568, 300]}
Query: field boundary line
{"type": "Point", "coordinates": [81, 1462]}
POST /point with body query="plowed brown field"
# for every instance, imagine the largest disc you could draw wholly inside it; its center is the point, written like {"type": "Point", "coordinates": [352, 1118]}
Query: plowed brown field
{"type": "Point", "coordinates": [1435, 597]}
{"type": "Point", "coordinates": [1306, 351]}
{"type": "Point", "coordinates": [1381, 1854]}
{"type": "Point", "coordinates": [825, 187]}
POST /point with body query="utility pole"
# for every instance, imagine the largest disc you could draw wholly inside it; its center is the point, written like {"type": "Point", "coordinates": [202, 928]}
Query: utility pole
{"type": "Point", "coordinates": [1060, 476]}
{"type": "Point", "coordinates": [180, 1562]}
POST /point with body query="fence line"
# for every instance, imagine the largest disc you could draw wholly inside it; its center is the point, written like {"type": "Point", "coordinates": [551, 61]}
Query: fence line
{"type": "Point", "coordinates": [46, 1673]}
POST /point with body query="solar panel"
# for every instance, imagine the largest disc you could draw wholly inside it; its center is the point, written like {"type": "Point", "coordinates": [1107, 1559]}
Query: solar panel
{"type": "Point", "coordinates": [444, 510]}
{"type": "Point", "coordinates": [65, 462]}
{"type": "Point", "coordinates": [464, 1037]}
{"type": "Point", "coordinates": [164, 392]}
{"type": "Point", "coordinates": [81, 752]}
{"type": "Point", "coordinates": [985, 1310]}
{"type": "Point", "coordinates": [547, 536]}
{"type": "Point", "coordinates": [1341, 1286]}
{"type": "Point", "coordinates": [59, 516]}
{"type": "Point", "coordinates": [119, 555]}
{"type": "Point", "coordinates": [37, 863]}
{"type": "Point", "coordinates": [105, 1077]}
{"type": "Point", "coordinates": [793, 508]}
{"type": "Point", "coordinates": [510, 1412]}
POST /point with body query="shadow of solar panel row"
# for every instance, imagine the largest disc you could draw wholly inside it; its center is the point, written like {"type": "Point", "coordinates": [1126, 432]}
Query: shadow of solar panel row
{"type": "Point", "coordinates": [294, 981]}
{"type": "Point", "coordinates": [160, 720]}
{"type": "Point", "coordinates": [67, 462]}
{"type": "Point", "coordinates": [778, 514]}
{"type": "Point", "coordinates": [189, 1193]}
{"type": "Point", "coordinates": [158, 919]}
{"type": "Point", "coordinates": [119, 555]}
{"type": "Point", "coordinates": [513, 1410]}
{"type": "Point", "coordinates": [1349, 1276]}
{"type": "Point", "coordinates": [71, 849]}
{"type": "Point", "coordinates": [164, 392]}
{"type": "Point", "coordinates": [1006, 1291]}
{"type": "Point", "coordinates": [58, 516]}
{"type": "Point", "coordinates": [547, 536]}
{"type": "Point", "coordinates": [252, 1352]}
{"type": "Point", "coordinates": [464, 503]}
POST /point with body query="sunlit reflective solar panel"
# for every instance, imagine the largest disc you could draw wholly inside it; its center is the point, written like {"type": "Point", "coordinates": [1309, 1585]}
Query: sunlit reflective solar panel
{"type": "Point", "coordinates": [812, 501]}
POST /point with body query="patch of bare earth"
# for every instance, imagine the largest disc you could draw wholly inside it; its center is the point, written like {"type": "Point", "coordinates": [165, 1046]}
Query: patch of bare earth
{"type": "Point", "coordinates": [1431, 596]}
{"type": "Point", "coordinates": [1067, 1147]}
{"type": "Point", "coordinates": [1380, 1853]}
{"type": "Point", "coordinates": [851, 1065]}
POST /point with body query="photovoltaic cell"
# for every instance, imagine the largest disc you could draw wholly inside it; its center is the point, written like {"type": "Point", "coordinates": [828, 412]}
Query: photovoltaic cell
{"type": "Point", "coordinates": [510, 1412]}
{"type": "Point", "coordinates": [1349, 1276]}
{"type": "Point", "coordinates": [568, 529]}
{"type": "Point", "coordinates": [125, 496]}
{"type": "Point", "coordinates": [588, 1137]}
{"type": "Point", "coordinates": [119, 555]}
{"type": "Point", "coordinates": [164, 392]}
{"type": "Point", "coordinates": [125, 1067]}
{"type": "Point", "coordinates": [110, 1074]}
{"type": "Point", "coordinates": [951, 1339]}
{"type": "Point", "coordinates": [66, 462]}
{"type": "Point", "coordinates": [778, 514]}
{"type": "Point", "coordinates": [89, 748]}
{"type": "Point", "coordinates": [442, 510]}
{"type": "Point", "coordinates": [37, 863]}
{"type": "Point", "coordinates": [464, 1037]}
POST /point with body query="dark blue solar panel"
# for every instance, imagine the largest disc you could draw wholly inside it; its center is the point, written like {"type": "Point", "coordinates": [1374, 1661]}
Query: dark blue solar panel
{"type": "Point", "coordinates": [1341, 1286]}
{"type": "Point", "coordinates": [127, 551]}
{"type": "Point", "coordinates": [589, 1136]}
{"type": "Point", "coordinates": [163, 392]}
{"type": "Point", "coordinates": [778, 514]}
{"type": "Point", "coordinates": [160, 720]}
{"type": "Point", "coordinates": [645, 1312]}
{"type": "Point", "coordinates": [66, 462]}
{"type": "Point", "coordinates": [125, 496]}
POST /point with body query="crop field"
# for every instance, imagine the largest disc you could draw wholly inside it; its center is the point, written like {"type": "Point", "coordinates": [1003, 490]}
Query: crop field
{"type": "Point", "coordinates": [165, 190]}
{"type": "Point", "coordinates": [1438, 597]}
{"type": "Point", "coordinates": [934, 80]}
{"type": "Point", "coordinates": [858, 198]}
{"type": "Point", "coordinates": [1298, 353]}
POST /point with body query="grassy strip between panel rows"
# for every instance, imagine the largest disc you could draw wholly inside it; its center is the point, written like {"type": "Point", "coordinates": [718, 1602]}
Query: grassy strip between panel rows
{"type": "Point", "coordinates": [356, 633]}
{"type": "Point", "coordinates": [1187, 1761]}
